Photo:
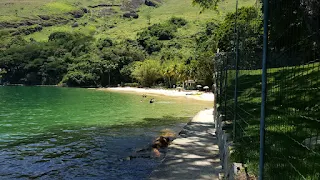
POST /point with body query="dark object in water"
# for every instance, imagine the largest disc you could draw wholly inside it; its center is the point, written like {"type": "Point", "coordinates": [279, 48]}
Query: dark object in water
{"type": "Point", "coordinates": [152, 101]}
{"type": "Point", "coordinates": [161, 142]}
{"type": "Point", "coordinates": [157, 148]}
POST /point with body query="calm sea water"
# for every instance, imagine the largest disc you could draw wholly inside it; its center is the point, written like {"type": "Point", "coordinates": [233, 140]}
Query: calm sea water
{"type": "Point", "coordinates": [66, 133]}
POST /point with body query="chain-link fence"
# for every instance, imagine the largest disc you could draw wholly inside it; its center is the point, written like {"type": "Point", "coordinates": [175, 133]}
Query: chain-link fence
{"type": "Point", "coordinates": [292, 107]}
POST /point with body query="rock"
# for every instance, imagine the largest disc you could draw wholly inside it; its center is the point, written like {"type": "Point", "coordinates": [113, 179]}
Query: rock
{"type": "Point", "coordinates": [85, 10]}
{"type": "Point", "coordinates": [29, 23]}
{"type": "Point", "coordinates": [77, 14]}
{"type": "Point", "coordinates": [75, 24]}
{"type": "Point", "coordinates": [27, 31]}
{"type": "Point", "coordinates": [131, 15]}
{"type": "Point", "coordinates": [44, 17]}
{"type": "Point", "coordinates": [312, 142]}
{"type": "Point", "coordinates": [47, 24]}
{"type": "Point", "coordinates": [104, 5]}
{"type": "Point", "coordinates": [151, 3]}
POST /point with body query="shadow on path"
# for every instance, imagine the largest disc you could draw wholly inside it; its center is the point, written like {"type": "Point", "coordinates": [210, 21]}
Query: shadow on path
{"type": "Point", "coordinates": [194, 154]}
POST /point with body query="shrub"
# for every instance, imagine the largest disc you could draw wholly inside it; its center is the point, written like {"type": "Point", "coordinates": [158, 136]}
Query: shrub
{"type": "Point", "coordinates": [132, 84]}
{"type": "Point", "coordinates": [178, 21]}
{"type": "Point", "coordinates": [162, 31]}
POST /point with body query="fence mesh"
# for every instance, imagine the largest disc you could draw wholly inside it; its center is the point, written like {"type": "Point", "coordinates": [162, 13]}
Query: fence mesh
{"type": "Point", "coordinates": [293, 109]}
{"type": "Point", "coordinates": [292, 147]}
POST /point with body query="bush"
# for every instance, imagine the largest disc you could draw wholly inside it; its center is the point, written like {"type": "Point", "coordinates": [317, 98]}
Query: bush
{"type": "Point", "coordinates": [153, 45]}
{"type": "Point", "coordinates": [107, 42]}
{"type": "Point", "coordinates": [178, 21]}
{"type": "Point", "coordinates": [162, 31]}
{"type": "Point", "coordinates": [132, 84]}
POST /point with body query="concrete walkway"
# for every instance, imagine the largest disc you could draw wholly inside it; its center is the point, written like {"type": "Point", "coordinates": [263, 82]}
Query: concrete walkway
{"type": "Point", "coordinates": [194, 154]}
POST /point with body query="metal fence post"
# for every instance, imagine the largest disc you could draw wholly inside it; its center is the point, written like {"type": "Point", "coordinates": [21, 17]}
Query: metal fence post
{"type": "Point", "coordinates": [237, 74]}
{"type": "Point", "coordinates": [264, 88]}
{"type": "Point", "coordinates": [225, 85]}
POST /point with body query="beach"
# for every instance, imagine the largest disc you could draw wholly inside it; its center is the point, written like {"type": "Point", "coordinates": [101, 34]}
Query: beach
{"type": "Point", "coordinates": [196, 95]}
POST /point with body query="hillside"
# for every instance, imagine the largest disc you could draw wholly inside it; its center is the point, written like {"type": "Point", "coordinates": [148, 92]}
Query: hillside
{"type": "Point", "coordinates": [22, 17]}
{"type": "Point", "coordinates": [99, 43]}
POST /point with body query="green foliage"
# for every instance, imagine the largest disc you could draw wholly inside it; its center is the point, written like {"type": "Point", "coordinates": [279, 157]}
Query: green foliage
{"type": "Point", "coordinates": [70, 58]}
{"type": "Point", "coordinates": [152, 38]}
{"type": "Point", "coordinates": [150, 43]}
{"type": "Point", "coordinates": [178, 21]}
{"type": "Point", "coordinates": [107, 42]}
{"type": "Point", "coordinates": [77, 59]}
{"type": "Point", "coordinates": [132, 84]}
{"type": "Point", "coordinates": [207, 4]}
{"type": "Point", "coordinates": [2, 72]}
{"type": "Point", "coordinates": [173, 71]}
{"type": "Point", "coordinates": [222, 36]}
{"type": "Point", "coordinates": [162, 31]}
{"type": "Point", "coordinates": [84, 71]}
{"type": "Point", "coordinates": [147, 72]}
{"type": "Point", "coordinates": [249, 23]}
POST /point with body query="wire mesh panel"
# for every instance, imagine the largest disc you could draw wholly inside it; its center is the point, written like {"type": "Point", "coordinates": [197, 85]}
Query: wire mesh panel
{"type": "Point", "coordinates": [293, 97]}
{"type": "Point", "coordinates": [240, 85]}
{"type": "Point", "coordinates": [292, 148]}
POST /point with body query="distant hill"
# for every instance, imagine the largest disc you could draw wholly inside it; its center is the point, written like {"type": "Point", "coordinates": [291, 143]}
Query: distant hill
{"type": "Point", "coordinates": [117, 19]}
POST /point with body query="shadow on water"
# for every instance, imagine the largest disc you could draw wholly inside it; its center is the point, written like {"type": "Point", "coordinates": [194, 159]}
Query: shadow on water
{"type": "Point", "coordinates": [72, 152]}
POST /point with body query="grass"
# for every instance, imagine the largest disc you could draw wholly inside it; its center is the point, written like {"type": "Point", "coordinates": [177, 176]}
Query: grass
{"type": "Point", "coordinates": [293, 112]}
{"type": "Point", "coordinates": [59, 7]}
{"type": "Point", "coordinates": [11, 10]}
{"type": "Point", "coordinates": [18, 10]}
{"type": "Point", "coordinates": [171, 8]}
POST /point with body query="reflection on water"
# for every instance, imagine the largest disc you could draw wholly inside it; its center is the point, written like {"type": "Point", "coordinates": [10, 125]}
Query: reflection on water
{"type": "Point", "coordinates": [88, 152]}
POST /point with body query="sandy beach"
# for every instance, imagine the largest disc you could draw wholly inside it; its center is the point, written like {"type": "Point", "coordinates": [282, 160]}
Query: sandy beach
{"type": "Point", "coordinates": [202, 96]}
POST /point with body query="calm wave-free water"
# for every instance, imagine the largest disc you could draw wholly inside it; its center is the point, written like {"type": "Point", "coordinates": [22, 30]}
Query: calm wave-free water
{"type": "Point", "coordinates": [70, 133]}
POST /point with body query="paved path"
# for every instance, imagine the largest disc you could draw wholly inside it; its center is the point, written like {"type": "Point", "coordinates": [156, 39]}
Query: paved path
{"type": "Point", "coordinates": [194, 154]}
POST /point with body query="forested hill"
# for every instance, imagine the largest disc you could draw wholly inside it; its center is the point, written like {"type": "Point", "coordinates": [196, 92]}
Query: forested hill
{"type": "Point", "coordinates": [83, 43]}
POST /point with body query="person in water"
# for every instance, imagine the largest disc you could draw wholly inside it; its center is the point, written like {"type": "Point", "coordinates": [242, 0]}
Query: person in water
{"type": "Point", "coordinates": [152, 100]}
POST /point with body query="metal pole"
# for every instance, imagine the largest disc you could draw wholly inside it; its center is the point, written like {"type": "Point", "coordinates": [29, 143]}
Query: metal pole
{"type": "Point", "coordinates": [237, 74]}
{"type": "Point", "coordinates": [225, 84]}
{"type": "Point", "coordinates": [264, 87]}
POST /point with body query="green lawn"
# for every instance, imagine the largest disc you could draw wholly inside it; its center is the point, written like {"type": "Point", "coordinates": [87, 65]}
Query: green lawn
{"type": "Point", "coordinates": [293, 111]}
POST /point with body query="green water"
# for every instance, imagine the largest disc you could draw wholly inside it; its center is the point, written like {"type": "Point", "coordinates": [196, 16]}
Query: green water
{"type": "Point", "coordinates": [66, 133]}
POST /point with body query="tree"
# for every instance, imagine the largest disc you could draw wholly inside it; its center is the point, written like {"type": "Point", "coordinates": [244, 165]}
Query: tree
{"type": "Point", "coordinates": [294, 29]}
{"type": "Point", "coordinates": [2, 73]}
{"type": "Point", "coordinates": [147, 72]}
{"type": "Point", "coordinates": [84, 71]}
{"type": "Point", "coordinates": [171, 71]}
{"type": "Point", "coordinates": [207, 4]}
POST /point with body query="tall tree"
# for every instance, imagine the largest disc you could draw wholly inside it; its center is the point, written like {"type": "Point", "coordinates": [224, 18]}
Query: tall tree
{"type": "Point", "coordinates": [147, 72]}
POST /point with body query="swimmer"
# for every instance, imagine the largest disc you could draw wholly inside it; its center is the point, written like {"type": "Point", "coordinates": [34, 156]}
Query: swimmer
{"type": "Point", "coordinates": [152, 100]}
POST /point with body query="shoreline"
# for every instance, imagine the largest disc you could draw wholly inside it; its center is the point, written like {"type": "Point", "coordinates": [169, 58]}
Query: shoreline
{"type": "Point", "coordinates": [195, 95]}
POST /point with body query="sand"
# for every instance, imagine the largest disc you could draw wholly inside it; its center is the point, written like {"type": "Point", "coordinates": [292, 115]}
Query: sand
{"type": "Point", "coordinates": [202, 96]}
